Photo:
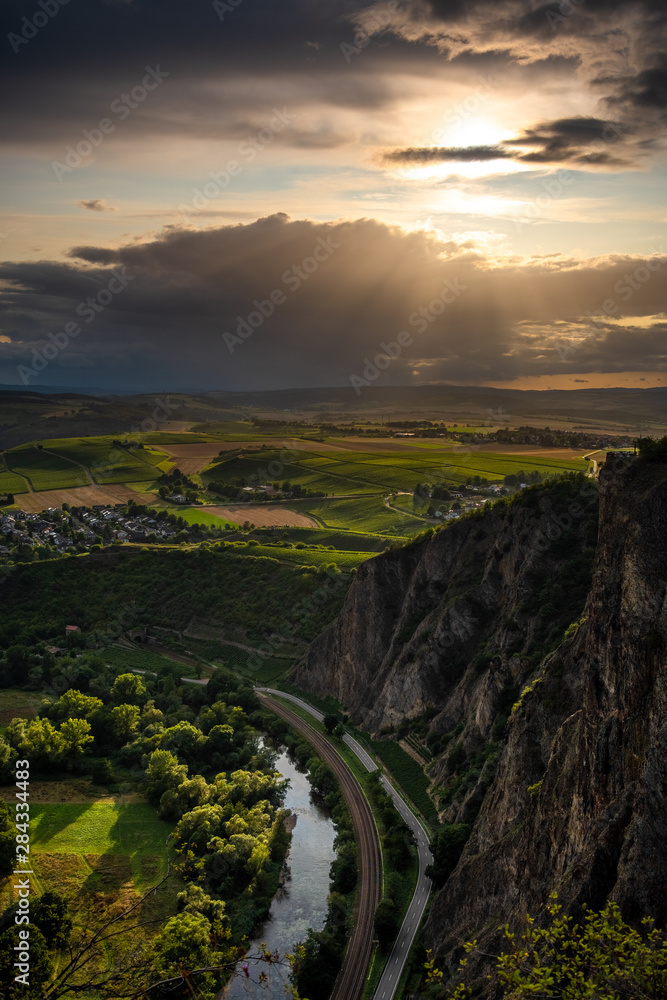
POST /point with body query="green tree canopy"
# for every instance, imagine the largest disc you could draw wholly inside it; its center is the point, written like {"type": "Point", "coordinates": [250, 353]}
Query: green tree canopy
{"type": "Point", "coordinates": [164, 772]}
{"type": "Point", "coordinates": [124, 722]}
{"type": "Point", "coordinates": [128, 689]}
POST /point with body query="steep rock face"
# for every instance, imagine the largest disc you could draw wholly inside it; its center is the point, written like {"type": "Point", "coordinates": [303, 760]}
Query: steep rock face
{"type": "Point", "coordinates": [590, 742]}
{"type": "Point", "coordinates": [450, 628]}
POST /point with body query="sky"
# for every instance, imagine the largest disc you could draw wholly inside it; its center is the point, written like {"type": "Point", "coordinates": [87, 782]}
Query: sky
{"type": "Point", "coordinates": [246, 194]}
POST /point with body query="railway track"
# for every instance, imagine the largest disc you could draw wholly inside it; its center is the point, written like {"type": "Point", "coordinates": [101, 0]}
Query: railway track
{"type": "Point", "coordinates": [352, 976]}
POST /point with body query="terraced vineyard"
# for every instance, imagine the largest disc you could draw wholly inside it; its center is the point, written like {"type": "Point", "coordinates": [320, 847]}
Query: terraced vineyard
{"type": "Point", "coordinates": [43, 470]}
{"type": "Point", "coordinates": [10, 483]}
{"type": "Point", "coordinates": [108, 463]}
{"type": "Point", "coordinates": [364, 514]}
{"type": "Point", "coordinates": [346, 472]}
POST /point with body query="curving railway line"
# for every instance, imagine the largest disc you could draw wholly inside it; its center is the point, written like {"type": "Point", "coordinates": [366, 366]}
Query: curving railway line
{"type": "Point", "coordinates": [352, 976]}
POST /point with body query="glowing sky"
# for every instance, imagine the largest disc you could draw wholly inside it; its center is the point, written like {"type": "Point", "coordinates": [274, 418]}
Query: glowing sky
{"type": "Point", "coordinates": [206, 150]}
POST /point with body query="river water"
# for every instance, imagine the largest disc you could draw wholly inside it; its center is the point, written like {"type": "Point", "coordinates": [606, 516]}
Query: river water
{"type": "Point", "coordinates": [302, 901]}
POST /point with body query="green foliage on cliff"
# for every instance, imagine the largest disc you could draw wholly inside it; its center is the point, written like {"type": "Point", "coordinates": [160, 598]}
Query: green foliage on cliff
{"type": "Point", "coordinates": [652, 450]}
{"type": "Point", "coordinates": [600, 957]}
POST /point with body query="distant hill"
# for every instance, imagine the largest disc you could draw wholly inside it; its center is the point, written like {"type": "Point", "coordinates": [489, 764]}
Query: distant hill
{"type": "Point", "coordinates": [26, 414]}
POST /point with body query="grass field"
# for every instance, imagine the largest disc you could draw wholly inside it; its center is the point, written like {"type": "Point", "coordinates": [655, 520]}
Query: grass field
{"type": "Point", "coordinates": [10, 483]}
{"type": "Point", "coordinates": [353, 541]}
{"type": "Point", "coordinates": [199, 515]}
{"type": "Point", "coordinates": [95, 828]}
{"type": "Point", "coordinates": [59, 464]}
{"type": "Point", "coordinates": [349, 472]}
{"type": "Point", "coordinates": [43, 470]}
{"type": "Point", "coordinates": [15, 704]}
{"type": "Point", "coordinates": [107, 846]}
{"type": "Point", "coordinates": [408, 774]}
{"type": "Point", "coordinates": [367, 514]}
{"type": "Point", "coordinates": [144, 659]}
{"type": "Point", "coordinates": [304, 556]}
{"type": "Point", "coordinates": [107, 462]}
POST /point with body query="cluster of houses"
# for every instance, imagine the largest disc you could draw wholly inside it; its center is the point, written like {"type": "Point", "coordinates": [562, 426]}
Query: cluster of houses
{"type": "Point", "coordinates": [52, 527]}
{"type": "Point", "coordinates": [123, 528]}
{"type": "Point", "coordinates": [468, 498]}
{"type": "Point", "coordinates": [19, 528]}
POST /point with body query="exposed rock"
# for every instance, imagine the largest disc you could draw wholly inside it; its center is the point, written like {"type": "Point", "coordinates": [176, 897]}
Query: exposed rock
{"type": "Point", "coordinates": [450, 627]}
{"type": "Point", "coordinates": [578, 802]}
{"type": "Point", "coordinates": [595, 827]}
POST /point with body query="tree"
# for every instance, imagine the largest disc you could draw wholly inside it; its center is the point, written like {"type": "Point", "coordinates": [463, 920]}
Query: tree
{"type": "Point", "coordinates": [124, 722]}
{"type": "Point", "coordinates": [75, 705]}
{"type": "Point", "coordinates": [76, 738]}
{"type": "Point", "coordinates": [102, 772]}
{"type": "Point", "coordinates": [39, 965]}
{"type": "Point", "coordinates": [447, 849]}
{"type": "Point", "coordinates": [128, 689]}
{"type": "Point", "coordinates": [51, 914]}
{"type": "Point", "coordinates": [183, 947]}
{"type": "Point", "coordinates": [164, 772]}
{"type": "Point", "coordinates": [37, 740]}
{"type": "Point", "coordinates": [330, 723]}
{"type": "Point", "coordinates": [386, 923]}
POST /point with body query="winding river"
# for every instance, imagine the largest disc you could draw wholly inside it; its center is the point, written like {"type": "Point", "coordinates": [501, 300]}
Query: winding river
{"type": "Point", "coordinates": [302, 901]}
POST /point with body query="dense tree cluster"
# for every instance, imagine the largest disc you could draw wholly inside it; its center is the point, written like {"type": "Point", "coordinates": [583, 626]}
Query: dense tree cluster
{"type": "Point", "coordinates": [201, 764]}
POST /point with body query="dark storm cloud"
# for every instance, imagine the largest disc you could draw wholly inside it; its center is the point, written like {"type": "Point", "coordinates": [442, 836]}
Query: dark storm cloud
{"type": "Point", "coordinates": [577, 141]}
{"type": "Point", "coordinates": [619, 49]}
{"type": "Point", "coordinates": [443, 154]}
{"type": "Point", "coordinates": [305, 303]}
{"type": "Point", "coordinates": [223, 75]}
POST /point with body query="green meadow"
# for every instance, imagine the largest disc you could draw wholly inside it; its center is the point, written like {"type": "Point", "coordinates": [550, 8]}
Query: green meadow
{"type": "Point", "coordinates": [11, 483]}
{"type": "Point", "coordinates": [346, 472]}
{"type": "Point", "coordinates": [367, 514]}
{"type": "Point", "coordinates": [43, 470]}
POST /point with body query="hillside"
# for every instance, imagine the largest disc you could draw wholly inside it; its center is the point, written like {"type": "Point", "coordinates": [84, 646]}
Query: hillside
{"type": "Point", "coordinates": [570, 797]}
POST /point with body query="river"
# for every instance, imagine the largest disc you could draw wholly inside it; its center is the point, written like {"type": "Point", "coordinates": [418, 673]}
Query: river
{"type": "Point", "coordinates": [302, 900]}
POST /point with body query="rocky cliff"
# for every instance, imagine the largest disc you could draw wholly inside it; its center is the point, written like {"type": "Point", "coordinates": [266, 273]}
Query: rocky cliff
{"type": "Point", "coordinates": [444, 633]}
{"type": "Point", "coordinates": [578, 800]}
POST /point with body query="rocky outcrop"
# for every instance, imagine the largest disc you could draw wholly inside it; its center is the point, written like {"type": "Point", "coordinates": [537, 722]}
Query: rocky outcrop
{"type": "Point", "coordinates": [579, 801]}
{"type": "Point", "coordinates": [450, 628]}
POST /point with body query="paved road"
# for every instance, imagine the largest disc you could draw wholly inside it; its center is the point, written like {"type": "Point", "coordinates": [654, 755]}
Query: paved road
{"type": "Point", "coordinates": [399, 954]}
{"type": "Point", "coordinates": [352, 976]}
